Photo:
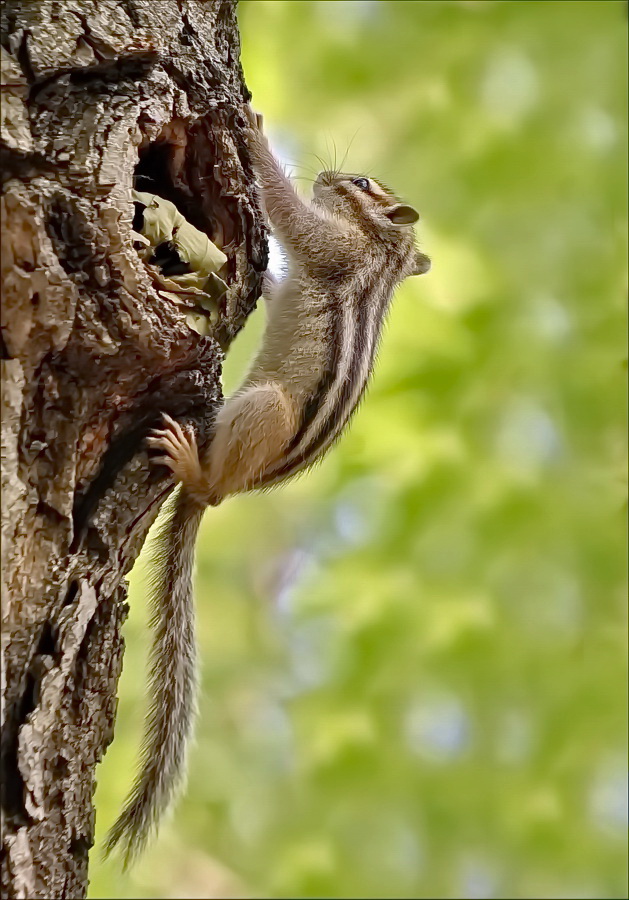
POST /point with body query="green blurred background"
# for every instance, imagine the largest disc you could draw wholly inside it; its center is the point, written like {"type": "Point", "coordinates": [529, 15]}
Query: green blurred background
{"type": "Point", "coordinates": [414, 658]}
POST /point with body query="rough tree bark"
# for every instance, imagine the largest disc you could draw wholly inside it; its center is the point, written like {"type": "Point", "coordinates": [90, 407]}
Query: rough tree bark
{"type": "Point", "coordinates": [95, 93]}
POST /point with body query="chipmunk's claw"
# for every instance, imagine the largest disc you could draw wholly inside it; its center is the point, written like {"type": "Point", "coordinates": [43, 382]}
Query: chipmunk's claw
{"type": "Point", "coordinates": [255, 119]}
{"type": "Point", "coordinates": [163, 461]}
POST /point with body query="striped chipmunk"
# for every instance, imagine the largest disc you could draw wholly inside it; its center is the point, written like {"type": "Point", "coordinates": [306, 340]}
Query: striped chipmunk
{"type": "Point", "coordinates": [347, 251]}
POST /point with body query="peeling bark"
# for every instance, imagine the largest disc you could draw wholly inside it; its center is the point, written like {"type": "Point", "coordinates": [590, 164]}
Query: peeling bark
{"type": "Point", "coordinates": [97, 95]}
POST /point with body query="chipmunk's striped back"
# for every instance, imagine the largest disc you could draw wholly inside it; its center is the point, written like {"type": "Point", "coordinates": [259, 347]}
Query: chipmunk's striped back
{"type": "Point", "coordinates": [356, 314]}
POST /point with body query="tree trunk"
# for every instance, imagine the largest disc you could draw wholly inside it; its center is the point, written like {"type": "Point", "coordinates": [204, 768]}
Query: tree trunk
{"type": "Point", "coordinates": [98, 96]}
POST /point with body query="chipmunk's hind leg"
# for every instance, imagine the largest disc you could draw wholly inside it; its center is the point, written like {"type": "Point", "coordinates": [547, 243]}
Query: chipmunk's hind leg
{"type": "Point", "coordinates": [252, 430]}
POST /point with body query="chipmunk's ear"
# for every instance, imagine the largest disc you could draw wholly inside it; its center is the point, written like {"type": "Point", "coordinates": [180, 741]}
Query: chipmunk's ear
{"type": "Point", "coordinates": [422, 264]}
{"type": "Point", "coordinates": [402, 214]}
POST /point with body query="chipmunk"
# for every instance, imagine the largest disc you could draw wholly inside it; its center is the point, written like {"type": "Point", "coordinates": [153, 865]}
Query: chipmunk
{"type": "Point", "coordinates": [347, 250]}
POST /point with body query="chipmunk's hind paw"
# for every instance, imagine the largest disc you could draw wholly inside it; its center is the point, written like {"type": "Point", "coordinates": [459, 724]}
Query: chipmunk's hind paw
{"type": "Point", "coordinates": [179, 451]}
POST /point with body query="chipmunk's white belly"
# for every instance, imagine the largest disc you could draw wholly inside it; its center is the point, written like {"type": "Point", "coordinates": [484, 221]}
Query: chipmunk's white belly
{"type": "Point", "coordinates": [296, 346]}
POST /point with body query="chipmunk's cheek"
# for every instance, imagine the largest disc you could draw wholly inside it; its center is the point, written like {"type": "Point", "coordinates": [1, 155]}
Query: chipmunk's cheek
{"type": "Point", "coordinates": [323, 196]}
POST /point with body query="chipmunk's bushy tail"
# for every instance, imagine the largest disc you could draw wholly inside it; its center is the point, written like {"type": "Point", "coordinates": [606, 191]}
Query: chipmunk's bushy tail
{"type": "Point", "coordinates": [173, 680]}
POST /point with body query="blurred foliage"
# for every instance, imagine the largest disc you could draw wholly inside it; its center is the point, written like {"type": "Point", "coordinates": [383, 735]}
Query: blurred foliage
{"type": "Point", "coordinates": [414, 657]}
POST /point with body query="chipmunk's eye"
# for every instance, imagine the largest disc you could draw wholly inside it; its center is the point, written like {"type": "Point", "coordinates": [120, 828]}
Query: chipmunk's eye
{"type": "Point", "coordinates": [362, 183]}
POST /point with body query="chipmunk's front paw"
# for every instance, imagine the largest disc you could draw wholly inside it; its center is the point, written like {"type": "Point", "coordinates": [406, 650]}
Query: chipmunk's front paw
{"type": "Point", "coordinates": [255, 119]}
{"type": "Point", "coordinates": [180, 450]}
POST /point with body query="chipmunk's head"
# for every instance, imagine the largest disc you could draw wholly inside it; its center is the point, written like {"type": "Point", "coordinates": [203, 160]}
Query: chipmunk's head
{"type": "Point", "coordinates": [373, 207]}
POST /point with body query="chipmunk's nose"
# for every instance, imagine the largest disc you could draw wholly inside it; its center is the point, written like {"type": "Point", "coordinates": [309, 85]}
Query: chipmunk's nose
{"type": "Point", "coordinates": [325, 178]}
